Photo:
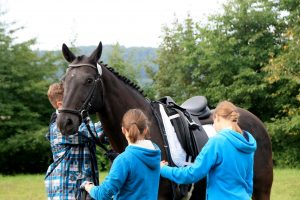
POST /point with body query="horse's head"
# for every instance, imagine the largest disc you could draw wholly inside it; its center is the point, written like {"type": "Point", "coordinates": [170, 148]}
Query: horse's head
{"type": "Point", "coordinates": [81, 81]}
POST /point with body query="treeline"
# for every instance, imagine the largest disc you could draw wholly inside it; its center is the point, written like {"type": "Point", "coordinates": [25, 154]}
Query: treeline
{"type": "Point", "coordinates": [249, 55]}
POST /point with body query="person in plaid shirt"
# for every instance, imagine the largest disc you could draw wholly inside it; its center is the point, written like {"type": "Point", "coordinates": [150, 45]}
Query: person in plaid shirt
{"type": "Point", "coordinates": [74, 155]}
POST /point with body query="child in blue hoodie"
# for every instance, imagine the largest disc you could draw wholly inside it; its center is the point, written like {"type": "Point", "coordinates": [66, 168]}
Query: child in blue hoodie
{"type": "Point", "coordinates": [227, 159]}
{"type": "Point", "coordinates": [135, 173]}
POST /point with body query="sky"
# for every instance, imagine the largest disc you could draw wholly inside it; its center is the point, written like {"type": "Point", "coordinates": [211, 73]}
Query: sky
{"type": "Point", "coordinates": [87, 22]}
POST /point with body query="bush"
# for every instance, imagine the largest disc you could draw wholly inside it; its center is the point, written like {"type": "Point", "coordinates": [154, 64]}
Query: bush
{"type": "Point", "coordinates": [285, 138]}
{"type": "Point", "coordinates": [25, 153]}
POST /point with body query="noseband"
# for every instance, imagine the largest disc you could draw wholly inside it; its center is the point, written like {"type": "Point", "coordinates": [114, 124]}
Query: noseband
{"type": "Point", "coordinates": [82, 113]}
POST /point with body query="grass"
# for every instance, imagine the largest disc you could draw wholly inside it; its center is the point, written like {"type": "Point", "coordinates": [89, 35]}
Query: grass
{"type": "Point", "coordinates": [286, 184]}
{"type": "Point", "coordinates": [25, 187]}
{"type": "Point", "coordinates": [31, 187]}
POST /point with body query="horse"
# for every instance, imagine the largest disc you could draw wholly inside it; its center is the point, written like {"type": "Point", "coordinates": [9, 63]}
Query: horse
{"type": "Point", "coordinates": [97, 88]}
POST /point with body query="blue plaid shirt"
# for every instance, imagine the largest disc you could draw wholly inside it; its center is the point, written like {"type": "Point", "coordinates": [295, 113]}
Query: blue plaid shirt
{"type": "Point", "coordinates": [72, 161]}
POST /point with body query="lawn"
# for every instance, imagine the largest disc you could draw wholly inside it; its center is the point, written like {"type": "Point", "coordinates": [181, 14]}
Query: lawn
{"type": "Point", "coordinates": [286, 184]}
{"type": "Point", "coordinates": [31, 187]}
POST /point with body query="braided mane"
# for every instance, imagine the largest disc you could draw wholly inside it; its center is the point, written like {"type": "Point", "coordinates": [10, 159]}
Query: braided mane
{"type": "Point", "coordinates": [124, 79]}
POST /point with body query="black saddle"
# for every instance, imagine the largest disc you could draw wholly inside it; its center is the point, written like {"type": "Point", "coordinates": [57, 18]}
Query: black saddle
{"type": "Point", "coordinates": [186, 122]}
{"type": "Point", "coordinates": [190, 133]}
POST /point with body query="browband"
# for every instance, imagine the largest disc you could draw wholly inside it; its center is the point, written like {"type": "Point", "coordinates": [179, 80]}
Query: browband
{"type": "Point", "coordinates": [98, 68]}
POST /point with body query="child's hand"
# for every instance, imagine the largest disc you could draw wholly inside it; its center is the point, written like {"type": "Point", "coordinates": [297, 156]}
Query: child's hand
{"type": "Point", "coordinates": [163, 163]}
{"type": "Point", "coordinates": [88, 186]}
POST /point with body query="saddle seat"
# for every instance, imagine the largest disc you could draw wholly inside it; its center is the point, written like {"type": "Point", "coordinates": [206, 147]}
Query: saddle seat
{"type": "Point", "coordinates": [197, 106]}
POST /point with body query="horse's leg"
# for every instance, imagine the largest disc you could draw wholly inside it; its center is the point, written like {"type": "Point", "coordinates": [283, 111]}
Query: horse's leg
{"type": "Point", "coordinates": [262, 183]}
{"type": "Point", "coordinates": [199, 192]}
{"type": "Point", "coordinates": [165, 190]}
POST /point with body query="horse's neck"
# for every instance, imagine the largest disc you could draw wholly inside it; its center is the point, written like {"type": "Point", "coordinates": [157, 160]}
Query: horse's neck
{"type": "Point", "coordinates": [118, 98]}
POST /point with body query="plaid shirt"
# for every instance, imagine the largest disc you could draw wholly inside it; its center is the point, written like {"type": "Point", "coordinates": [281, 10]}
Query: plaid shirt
{"type": "Point", "coordinates": [73, 156]}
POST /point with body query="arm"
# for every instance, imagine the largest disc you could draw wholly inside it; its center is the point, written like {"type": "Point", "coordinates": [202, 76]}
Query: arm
{"type": "Point", "coordinates": [207, 158]}
{"type": "Point", "coordinates": [113, 182]}
{"type": "Point", "coordinates": [96, 129]}
{"type": "Point", "coordinates": [57, 138]}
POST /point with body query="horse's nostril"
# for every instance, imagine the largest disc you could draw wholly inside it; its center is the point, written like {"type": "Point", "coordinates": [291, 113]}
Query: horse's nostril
{"type": "Point", "coordinates": [69, 122]}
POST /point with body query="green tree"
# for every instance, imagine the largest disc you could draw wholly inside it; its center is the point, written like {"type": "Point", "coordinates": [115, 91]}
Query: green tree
{"type": "Point", "coordinates": [117, 61]}
{"type": "Point", "coordinates": [24, 108]}
{"type": "Point", "coordinates": [284, 72]}
{"type": "Point", "coordinates": [236, 46]}
{"type": "Point", "coordinates": [177, 58]}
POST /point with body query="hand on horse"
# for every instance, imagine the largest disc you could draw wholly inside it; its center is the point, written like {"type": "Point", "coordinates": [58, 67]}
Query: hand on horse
{"type": "Point", "coordinates": [163, 163]}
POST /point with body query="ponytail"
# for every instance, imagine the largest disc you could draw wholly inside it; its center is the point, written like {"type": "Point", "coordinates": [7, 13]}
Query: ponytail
{"type": "Point", "coordinates": [229, 111]}
{"type": "Point", "coordinates": [136, 123]}
{"type": "Point", "coordinates": [133, 132]}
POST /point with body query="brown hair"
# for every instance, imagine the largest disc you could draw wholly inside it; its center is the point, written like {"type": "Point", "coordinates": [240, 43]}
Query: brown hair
{"type": "Point", "coordinates": [55, 93]}
{"type": "Point", "coordinates": [136, 123]}
{"type": "Point", "coordinates": [228, 110]}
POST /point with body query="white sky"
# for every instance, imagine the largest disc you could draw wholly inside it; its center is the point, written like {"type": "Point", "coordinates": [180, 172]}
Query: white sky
{"type": "Point", "coordinates": [129, 22]}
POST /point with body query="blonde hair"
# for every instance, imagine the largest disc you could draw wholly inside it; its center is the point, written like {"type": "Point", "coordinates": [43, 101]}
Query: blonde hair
{"type": "Point", "coordinates": [136, 123]}
{"type": "Point", "coordinates": [228, 111]}
{"type": "Point", "coordinates": [55, 93]}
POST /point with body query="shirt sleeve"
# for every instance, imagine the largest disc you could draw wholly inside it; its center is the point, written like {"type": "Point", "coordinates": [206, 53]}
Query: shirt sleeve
{"type": "Point", "coordinates": [96, 129]}
{"type": "Point", "coordinates": [81, 137]}
{"type": "Point", "coordinates": [114, 181]}
{"type": "Point", "coordinates": [206, 159]}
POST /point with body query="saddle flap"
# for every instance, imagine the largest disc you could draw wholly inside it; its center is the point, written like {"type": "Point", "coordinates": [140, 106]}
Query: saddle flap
{"type": "Point", "coordinates": [190, 134]}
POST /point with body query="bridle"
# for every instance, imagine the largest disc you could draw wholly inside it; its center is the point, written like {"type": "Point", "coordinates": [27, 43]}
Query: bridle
{"type": "Point", "coordinates": [82, 113]}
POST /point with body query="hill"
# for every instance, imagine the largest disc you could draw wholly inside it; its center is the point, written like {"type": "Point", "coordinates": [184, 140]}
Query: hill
{"type": "Point", "coordinates": [138, 57]}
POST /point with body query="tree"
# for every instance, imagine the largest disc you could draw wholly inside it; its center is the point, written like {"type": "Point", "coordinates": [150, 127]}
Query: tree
{"type": "Point", "coordinates": [116, 60]}
{"type": "Point", "coordinates": [222, 58]}
{"type": "Point", "coordinates": [283, 72]}
{"type": "Point", "coordinates": [236, 46]}
{"type": "Point", "coordinates": [24, 109]}
{"type": "Point", "coordinates": [177, 58]}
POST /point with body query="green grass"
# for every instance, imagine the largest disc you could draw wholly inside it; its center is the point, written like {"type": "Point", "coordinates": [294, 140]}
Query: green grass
{"type": "Point", "coordinates": [25, 187]}
{"type": "Point", "coordinates": [286, 184]}
{"type": "Point", "coordinates": [19, 187]}
{"type": "Point", "coordinates": [31, 187]}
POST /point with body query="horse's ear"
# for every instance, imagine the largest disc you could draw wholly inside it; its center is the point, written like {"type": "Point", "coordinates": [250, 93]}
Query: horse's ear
{"type": "Point", "coordinates": [69, 56]}
{"type": "Point", "coordinates": [95, 56]}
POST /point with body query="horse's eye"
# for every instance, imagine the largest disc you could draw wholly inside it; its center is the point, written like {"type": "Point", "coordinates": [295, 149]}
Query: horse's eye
{"type": "Point", "coordinates": [89, 80]}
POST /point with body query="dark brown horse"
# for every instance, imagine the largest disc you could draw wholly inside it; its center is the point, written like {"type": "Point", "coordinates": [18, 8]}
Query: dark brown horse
{"type": "Point", "coordinates": [89, 86]}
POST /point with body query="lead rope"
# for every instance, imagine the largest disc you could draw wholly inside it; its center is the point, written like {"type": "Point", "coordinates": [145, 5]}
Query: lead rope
{"type": "Point", "coordinates": [86, 120]}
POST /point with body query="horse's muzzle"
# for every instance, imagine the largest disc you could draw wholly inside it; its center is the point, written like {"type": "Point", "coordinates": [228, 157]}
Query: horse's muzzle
{"type": "Point", "coordinates": [67, 123]}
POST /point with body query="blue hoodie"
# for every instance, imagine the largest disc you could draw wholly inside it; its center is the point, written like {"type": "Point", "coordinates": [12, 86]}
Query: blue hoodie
{"type": "Point", "coordinates": [134, 174]}
{"type": "Point", "coordinates": [227, 160]}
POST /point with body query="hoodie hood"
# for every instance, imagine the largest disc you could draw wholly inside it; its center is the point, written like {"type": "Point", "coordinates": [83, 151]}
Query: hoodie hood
{"type": "Point", "coordinates": [150, 157]}
{"type": "Point", "coordinates": [239, 141]}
